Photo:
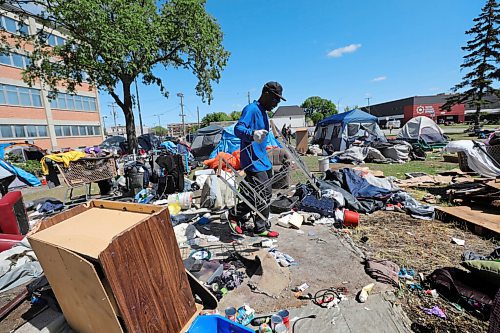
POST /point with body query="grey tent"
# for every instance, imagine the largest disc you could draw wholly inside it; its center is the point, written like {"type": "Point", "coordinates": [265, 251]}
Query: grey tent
{"type": "Point", "coordinates": [341, 130]}
{"type": "Point", "coordinates": [205, 141]}
{"type": "Point", "coordinates": [422, 128]}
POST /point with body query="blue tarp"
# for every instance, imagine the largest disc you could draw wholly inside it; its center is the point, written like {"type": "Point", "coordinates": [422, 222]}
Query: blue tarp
{"type": "Point", "coordinates": [229, 142]}
{"type": "Point", "coordinates": [2, 149]}
{"type": "Point", "coordinates": [25, 177]}
{"type": "Point", "coordinates": [169, 146]}
{"type": "Point", "coordinates": [353, 116]}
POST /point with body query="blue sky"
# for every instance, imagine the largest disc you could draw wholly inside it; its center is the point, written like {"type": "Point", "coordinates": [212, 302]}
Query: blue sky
{"type": "Point", "coordinates": [341, 50]}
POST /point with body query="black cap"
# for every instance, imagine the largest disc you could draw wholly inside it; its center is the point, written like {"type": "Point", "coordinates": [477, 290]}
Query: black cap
{"type": "Point", "coordinates": [275, 88]}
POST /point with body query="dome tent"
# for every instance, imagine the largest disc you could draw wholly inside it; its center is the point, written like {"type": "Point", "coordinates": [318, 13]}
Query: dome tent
{"type": "Point", "coordinates": [422, 128]}
{"type": "Point", "coordinates": [205, 141]}
{"type": "Point", "coordinates": [340, 130]}
{"type": "Point", "coordinates": [229, 142]}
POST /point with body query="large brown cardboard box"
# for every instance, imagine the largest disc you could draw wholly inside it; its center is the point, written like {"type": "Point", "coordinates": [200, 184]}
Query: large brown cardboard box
{"type": "Point", "coordinates": [116, 267]}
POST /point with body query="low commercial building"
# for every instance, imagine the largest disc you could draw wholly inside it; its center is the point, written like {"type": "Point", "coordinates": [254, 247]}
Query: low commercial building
{"type": "Point", "coordinates": [408, 108]}
{"type": "Point", "coordinates": [26, 113]}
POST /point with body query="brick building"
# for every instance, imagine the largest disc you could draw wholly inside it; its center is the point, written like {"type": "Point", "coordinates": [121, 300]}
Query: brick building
{"type": "Point", "coordinates": [26, 114]}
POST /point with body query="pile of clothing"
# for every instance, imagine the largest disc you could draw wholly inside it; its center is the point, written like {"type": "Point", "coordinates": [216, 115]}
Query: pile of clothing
{"type": "Point", "coordinates": [356, 190]}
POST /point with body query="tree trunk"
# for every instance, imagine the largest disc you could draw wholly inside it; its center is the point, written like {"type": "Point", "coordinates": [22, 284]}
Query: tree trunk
{"type": "Point", "coordinates": [477, 116]}
{"type": "Point", "coordinates": [129, 117]}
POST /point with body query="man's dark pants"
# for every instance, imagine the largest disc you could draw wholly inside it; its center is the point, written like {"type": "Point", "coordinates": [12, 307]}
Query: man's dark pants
{"type": "Point", "coordinates": [255, 180]}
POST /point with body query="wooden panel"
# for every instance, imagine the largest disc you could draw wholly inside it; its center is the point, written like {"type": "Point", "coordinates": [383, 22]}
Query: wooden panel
{"type": "Point", "coordinates": [146, 273]}
{"type": "Point", "coordinates": [78, 289]}
{"type": "Point", "coordinates": [127, 206]}
{"type": "Point", "coordinates": [487, 219]}
{"type": "Point", "coordinates": [62, 216]}
{"type": "Point", "coordinates": [91, 231]}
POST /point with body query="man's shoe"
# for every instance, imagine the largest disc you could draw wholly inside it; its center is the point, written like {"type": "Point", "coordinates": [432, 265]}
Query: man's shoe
{"type": "Point", "coordinates": [233, 225]}
{"type": "Point", "coordinates": [269, 233]}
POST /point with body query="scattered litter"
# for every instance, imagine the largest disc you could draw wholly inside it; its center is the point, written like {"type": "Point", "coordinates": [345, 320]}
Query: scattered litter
{"type": "Point", "coordinates": [367, 308]}
{"type": "Point", "coordinates": [282, 258]}
{"type": "Point", "coordinates": [300, 232]}
{"type": "Point", "coordinates": [363, 295]}
{"type": "Point", "coordinates": [458, 241]}
{"type": "Point", "coordinates": [436, 311]}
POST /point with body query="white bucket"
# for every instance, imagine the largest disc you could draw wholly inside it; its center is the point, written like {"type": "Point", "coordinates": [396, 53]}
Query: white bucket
{"type": "Point", "coordinates": [184, 199]}
{"type": "Point", "coordinates": [324, 164]}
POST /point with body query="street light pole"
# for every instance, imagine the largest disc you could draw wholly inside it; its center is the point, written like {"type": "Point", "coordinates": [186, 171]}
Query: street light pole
{"type": "Point", "coordinates": [368, 98]}
{"type": "Point", "coordinates": [113, 112]}
{"type": "Point", "coordinates": [181, 95]}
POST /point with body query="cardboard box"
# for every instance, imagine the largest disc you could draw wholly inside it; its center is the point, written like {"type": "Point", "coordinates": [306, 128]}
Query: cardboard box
{"type": "Point", "coordinates": [111, 263]}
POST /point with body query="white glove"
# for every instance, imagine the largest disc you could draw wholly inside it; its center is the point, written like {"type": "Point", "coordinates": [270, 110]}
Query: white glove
{"type": "Point", "coordinates": [259, 135]}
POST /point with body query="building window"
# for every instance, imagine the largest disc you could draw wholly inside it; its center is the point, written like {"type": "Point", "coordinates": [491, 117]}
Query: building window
{"type": "Point", "coordinates": [73, 102]}
{"type": "Point", "coordinates": [19, 131]}
{"type": "Point", "coordinates": [19, 96]}
{"type": "Point", "coordinates": [42, 130]}
{"type": "Point", "coordinates": [31, 131]}
{"type": "Point", "coordinates": [76, 130]}
{"type": "Point", "coordinates": [14, 60]}
{"type": "Point", "coordinates": [6, 131]}
{"type": "Point", "coordinates": [13, 26]}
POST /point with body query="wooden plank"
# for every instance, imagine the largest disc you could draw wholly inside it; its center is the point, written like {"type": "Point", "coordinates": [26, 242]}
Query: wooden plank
{"type": "Point", "coordinates": [489, 220]}
{"type": "Point", "coordinates": [127, 206]}
{"type": "Point", "coordinates": [494, 183]}
{"type": "Point", "coordinates": [62, 216]}
{"type": "Point", "coordinates": [78, 289]}
{"type": "Point", "coordinates": [145, 271]}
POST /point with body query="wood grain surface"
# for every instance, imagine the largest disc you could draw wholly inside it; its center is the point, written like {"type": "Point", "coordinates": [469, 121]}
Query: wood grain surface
{"type": "Point", "coordinates": [144, 268]}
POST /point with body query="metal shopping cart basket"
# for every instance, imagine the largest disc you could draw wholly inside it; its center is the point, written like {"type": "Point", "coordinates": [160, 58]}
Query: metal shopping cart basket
{"type": "Point", "coordinates": [84, 172]}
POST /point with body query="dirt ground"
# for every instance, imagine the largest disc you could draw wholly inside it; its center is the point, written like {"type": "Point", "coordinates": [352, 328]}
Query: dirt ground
{"type": "Point", "coordinates": [423, 246]}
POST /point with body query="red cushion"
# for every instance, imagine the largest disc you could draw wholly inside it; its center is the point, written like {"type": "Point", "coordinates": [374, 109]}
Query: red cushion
{"type": "Point", "coordinates": [8, 241]}
{"type": "Point", "coordinates": [8, 222]}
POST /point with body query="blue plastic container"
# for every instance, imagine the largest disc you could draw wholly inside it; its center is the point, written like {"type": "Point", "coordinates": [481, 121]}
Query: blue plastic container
{"type": "Point", "coordinates": [216, 324]}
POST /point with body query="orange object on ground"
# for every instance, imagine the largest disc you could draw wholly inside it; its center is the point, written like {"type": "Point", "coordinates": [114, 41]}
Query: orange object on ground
{"type": "Point", "coordinates": [232, 159]}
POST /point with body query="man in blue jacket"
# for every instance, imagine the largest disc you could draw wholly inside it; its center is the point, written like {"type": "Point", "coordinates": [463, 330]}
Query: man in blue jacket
{"type": "Point", "coordinates": [252, 129]}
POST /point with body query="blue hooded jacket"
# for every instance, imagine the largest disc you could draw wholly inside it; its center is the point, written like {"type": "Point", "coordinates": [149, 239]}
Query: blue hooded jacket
{"type": "Point", "coordinates": [253, 155]}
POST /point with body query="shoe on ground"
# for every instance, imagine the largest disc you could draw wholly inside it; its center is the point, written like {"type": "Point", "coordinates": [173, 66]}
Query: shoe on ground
{"type": "Point", "coordinates": [268, 233]}
{"type": "Point", "coordinates": [233, 225]}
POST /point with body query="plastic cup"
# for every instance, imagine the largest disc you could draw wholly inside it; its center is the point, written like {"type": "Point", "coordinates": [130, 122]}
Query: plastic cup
{"type": "Point", "coordinates": [286, 317]}
{"type": "Point", "coordinates": [230, 313]}
{"type": "Point", "coordinates": [275, 320]}
{"type": "Point", "coordinates": [280, 328]}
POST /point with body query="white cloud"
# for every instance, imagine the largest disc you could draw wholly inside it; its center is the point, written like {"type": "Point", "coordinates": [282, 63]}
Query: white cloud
{"type": "Point", "coordinates": [379, 78]}
{"type": "Point", "coordinates": [341, 50]}
{"type": "Point", "coordinates": [434, 89]}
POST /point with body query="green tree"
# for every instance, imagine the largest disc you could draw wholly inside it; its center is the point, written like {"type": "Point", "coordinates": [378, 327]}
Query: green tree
{"type": "Point", "coordinates": [481, 62]}
{"type": "Point", "coordinates": [317, 117]}
{"type": "Point", "coordinates": [159, 130]}
{"type": "Point", "coordinates": [117, 41]}
{"type": "Point", "coordinates": [235, 115]}
{"type": "Point", "coordinates": [318, 104]}
{"type": "Point", "coordinates": [215, 116]}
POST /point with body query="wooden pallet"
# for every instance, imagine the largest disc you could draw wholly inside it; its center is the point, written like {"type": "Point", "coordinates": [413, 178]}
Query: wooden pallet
{"type": "Point", "coordinates": [482, 219]}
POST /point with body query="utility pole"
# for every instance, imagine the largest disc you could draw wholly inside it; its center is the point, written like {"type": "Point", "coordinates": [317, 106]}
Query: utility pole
{"type": "Point", "coordinates": [181, 95]}
{"type": "Point", "coordinates": [104, 125]}
{"type": "Point", "coordinates": [198, 114]}
{"type": "Point", "coordinates": [368, 98]}
{"type": "Point", "coordinates": [248, 95]}
{"type": "Point", "coordinates": [113, 113]}
{"type": "Point", "coordinates": [159, 123]}
{"type": "Point", "coordinates": [138, 106]}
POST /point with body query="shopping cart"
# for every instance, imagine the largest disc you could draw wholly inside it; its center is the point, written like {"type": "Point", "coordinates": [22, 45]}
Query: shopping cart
{"type": "Point", "coordinates": [84, 172]}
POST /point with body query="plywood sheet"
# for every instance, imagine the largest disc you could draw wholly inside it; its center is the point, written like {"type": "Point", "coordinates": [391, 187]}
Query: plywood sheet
{"type": "Point", "coordinates": [487, 219]}
{"type": "Point", "coordinates": [146, 274]}
{"type": "Point", "coordinates": [78, 289]}
{"type": "Point", "coordinates": [91, 231]}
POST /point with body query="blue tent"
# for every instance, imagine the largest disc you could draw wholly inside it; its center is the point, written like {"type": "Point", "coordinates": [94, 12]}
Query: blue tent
{"type": "Point", "coordinates": [17, 176]}
{"type": "Point", "coordinates": [229, 142]}
{"type": "Point", "coordinates": [341, 130]}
